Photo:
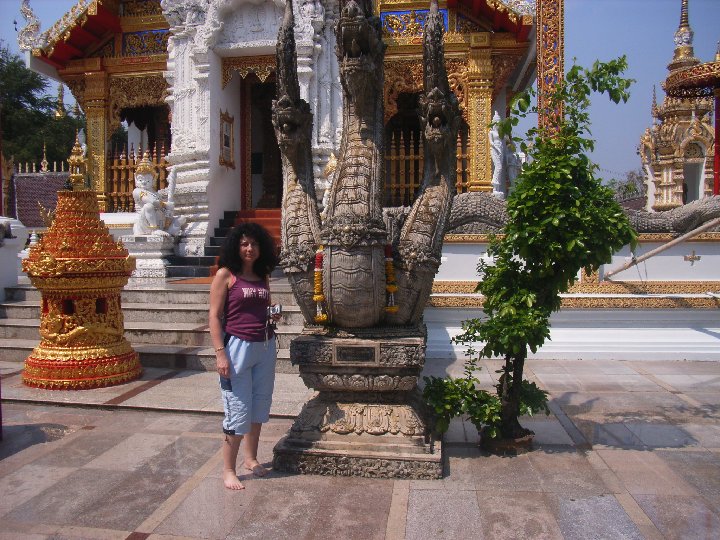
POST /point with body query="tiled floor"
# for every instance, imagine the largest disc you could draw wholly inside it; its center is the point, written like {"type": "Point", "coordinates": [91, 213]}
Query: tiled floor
{"type": "Point", "coordinates": [631, 451]}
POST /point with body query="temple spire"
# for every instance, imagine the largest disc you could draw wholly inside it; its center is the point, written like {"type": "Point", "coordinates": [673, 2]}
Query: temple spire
{"type": "Point", "coordinates": [653, 107]}
{"type": "Point", "coordinates": [684, 20]}
{"type": "Point", "coordinates": [684, 54]}
{"type": "Point", "coordinates": [60, 110]}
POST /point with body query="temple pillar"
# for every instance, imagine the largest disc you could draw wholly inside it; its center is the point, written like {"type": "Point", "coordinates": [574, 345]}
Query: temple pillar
{"type": "Point", "coordinates": [479, 114]}
{"type": "Point", "coordinates": [716, 170]}
{"type": "Point", "coordinates": [550, 36]}
{"type": "Point", "coordinates": [95, 104]}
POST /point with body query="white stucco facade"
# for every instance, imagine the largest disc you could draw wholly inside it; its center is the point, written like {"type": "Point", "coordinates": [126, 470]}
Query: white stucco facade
{"type": "Point", "coordinates": [202, 34]}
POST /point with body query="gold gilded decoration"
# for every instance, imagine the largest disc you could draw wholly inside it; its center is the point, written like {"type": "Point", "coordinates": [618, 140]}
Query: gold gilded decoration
{"type": "Point", "coordinates": [604, 287]}
{"type": "Point", "coordinates": [145, 166]}
{"type": "Point", "coordinates": [262, 66]}
{"type": "Point", "coordinates": [550, 55]}
{"type": "Point", "coordinates": [694, 81]}
{"type": "Point", "coordinates": [467, 26]}
{"type": "Point", "coordinates": [145, 43]}
{"type": "Point", "coordinates": [148, 89]}
{"type": "Point", "coordinates": [480, 114]}
{"type": "Point", "coordinates": [589, 302]}
{"type": "Point", "coordinates": [400, 76]}
{"type": "Point", "coordinates": [503, 66]}
{"type": "Point", "coordinates": [141, 8]}
{"type": "Point", "coordinates": [227, 140]}
{"type": "Point", "coordinates": [406, 24]}
{"type": "Point", "coordinates": [77, 88]}
{"type": "Point", "coordinates": [80, 271]}
{"type": "Point", "coordinates": [61, 29]}
{"type": "Point", "coordinates": [76, 163]}
{"type": "Point", "coordinates": [405, 75]}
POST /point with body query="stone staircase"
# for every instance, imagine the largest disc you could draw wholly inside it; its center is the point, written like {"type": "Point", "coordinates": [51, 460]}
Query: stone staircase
{"type": "Point", "coordinates": [166, 326]}
{"type": "Point", "coordinates": [204, 266]}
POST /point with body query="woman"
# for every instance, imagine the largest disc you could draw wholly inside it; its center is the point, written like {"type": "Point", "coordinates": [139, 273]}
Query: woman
{"type": "Point", "coordinates": [244, 343]}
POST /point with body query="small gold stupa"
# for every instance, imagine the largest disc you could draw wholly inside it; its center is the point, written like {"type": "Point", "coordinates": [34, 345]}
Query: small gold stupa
{"type": "Point", "coordinates": [80, 271]}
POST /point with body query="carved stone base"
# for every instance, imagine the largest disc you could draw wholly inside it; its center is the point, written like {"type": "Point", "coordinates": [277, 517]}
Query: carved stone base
{"type": "Point", "coordinates": [150, 263]}
{"type": "Point", "coordinates": [381, 435]}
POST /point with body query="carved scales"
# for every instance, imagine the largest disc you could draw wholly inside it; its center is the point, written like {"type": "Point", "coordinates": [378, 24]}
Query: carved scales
{"type": "Point", "coordinates": [368, 418]}
{"type": "Point", "coordinates": [354, 232]}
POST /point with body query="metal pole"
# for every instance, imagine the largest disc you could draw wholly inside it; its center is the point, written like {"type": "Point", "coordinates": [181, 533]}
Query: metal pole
{"type": "Point", "coordinates": [709, 225]}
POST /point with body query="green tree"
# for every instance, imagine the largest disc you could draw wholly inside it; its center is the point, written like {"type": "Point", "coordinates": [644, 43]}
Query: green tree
{"type": "Point", "coordinates": [27, 114]}
{"type": "Point", "coordinates": [633, 185]}
{"type": "Point", "coordinates": [561, 220]}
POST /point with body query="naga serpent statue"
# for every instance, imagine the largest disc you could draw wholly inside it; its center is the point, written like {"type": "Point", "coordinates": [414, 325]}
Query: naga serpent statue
{"type": "Point", "coordinates": [363, 272]}
{"type": "Point", "coordinates": [354, 233]}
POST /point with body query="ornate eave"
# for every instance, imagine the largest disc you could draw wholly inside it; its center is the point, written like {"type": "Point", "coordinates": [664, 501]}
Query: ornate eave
{"type": "Point", "coordinates": [694, 81]}
{"type": "Point", "coordinates": [515, 16]}
{"type": "Point", "coordinates": [83, 28]}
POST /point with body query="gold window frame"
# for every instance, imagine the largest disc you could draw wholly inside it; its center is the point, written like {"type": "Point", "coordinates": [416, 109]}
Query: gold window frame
{"type": "Point", "coordinates": [227, 140]}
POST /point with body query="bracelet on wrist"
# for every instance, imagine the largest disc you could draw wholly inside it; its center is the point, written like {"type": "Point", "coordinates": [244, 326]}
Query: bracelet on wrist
{"type": "Point", "coordinates": [220, 349]}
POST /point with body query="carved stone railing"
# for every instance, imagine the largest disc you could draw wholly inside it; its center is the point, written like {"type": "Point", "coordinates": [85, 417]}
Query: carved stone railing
{"type": "Point", "coordinates": [121, 176]}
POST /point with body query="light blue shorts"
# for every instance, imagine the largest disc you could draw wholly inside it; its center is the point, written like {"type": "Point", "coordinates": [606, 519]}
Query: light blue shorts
{"type": "Point", "coordinates": [247, 394]}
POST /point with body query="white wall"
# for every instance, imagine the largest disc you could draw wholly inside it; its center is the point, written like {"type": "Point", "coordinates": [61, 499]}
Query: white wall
{"type": "Point", "coordinates": [593, 334]}
{"type": "Point", "coordinates": [459, 262]}
{"type": "Point", "coordinates": [224, 188]}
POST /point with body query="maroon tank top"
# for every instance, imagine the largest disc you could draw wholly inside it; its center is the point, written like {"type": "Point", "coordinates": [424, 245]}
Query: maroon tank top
{"type": "Point", "coordinates": [246, 310]}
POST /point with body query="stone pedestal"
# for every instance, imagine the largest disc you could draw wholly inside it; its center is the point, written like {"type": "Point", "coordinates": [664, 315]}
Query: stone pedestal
{"type": "Point", "coordinates": [368, 418]}
{"type": "Point", "coordinates": [150, 254]}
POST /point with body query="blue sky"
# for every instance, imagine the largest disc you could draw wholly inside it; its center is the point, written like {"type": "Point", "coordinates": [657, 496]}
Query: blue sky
{"type": "Point", "coordinates": [594, 29]}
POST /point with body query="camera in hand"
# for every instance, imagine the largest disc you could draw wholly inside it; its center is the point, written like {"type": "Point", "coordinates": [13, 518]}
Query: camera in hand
{"type": "Point", "coordinates": [272, 311]}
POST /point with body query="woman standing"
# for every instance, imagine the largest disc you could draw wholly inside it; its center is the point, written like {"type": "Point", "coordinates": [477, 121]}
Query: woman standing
{"type": "Point", "coordinates": [244, 343]}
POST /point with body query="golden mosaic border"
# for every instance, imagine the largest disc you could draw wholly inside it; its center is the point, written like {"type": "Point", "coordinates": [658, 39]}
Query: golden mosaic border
{"type": "Point", "coordinates": [586, 302]}
{"type": "Point", "coordinates": [606, 287]}
{"type": "Point", "coordinates": [262, 66]}
{"type": "Point", "coordinates": [645, 237]}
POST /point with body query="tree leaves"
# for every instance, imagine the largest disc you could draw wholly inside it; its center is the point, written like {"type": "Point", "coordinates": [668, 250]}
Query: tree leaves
{"type": "Point", "coordinates": [560, 220]}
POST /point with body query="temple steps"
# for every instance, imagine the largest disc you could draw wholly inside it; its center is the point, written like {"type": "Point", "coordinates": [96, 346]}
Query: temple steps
{"type": "Point", "coordinates": [173, 293]}
{"type": "Point", "coordinates": [137, 312]}
{"type": "Point", "coordinates": [167, 326]}
{"type": "Point", "coordinates": [205, 265]}
{"type": "Point", "coordinates": [151, 355]}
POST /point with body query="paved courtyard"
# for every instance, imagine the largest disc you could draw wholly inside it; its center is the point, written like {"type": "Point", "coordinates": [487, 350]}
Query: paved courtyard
{"type": "Point", "coordinates": [632, 450]}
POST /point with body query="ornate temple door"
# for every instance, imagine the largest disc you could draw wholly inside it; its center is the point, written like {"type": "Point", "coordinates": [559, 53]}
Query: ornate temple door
{"type": "Point", "coordinates": [261, 169]}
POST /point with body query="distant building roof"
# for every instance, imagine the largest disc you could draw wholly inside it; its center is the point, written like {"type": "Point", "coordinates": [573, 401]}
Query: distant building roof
{"type": "Point", "coordinates": [33, 188]}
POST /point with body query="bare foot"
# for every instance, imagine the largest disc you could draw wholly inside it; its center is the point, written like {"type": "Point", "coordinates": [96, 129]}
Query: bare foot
{"type": "Point", "coordinates": [231, 480]}
{"type": "Point", "coordinates": [256, 468]}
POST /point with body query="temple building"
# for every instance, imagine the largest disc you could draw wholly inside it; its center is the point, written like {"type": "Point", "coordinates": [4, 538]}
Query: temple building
{"type": "Point", "coordinates": [678, 151]}
{"type": "Point", "coordinates": [194, 81]}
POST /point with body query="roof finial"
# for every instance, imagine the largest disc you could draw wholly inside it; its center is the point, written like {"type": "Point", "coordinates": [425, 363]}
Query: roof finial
{"type": "Point", "coordinates": [44, 162]}
{"type": "Point", "coordinates": [684, 53]}
{"type": "Point", "coordinates": [653, 107]}
{"type": "Point", "coordinates": [684, 20]}
{"type": "Point", "coordinates": [60, 110]}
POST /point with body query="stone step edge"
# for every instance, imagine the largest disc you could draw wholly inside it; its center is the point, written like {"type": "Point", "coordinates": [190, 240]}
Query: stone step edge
{"type": "Point", "coordinates": [141, 325]}
{"type": "Point", "coordinates": [123, 406]}
{"type": "Point", "coordinates": [140, 305]}
{"type": "Point", "coordinates": [140, 348]}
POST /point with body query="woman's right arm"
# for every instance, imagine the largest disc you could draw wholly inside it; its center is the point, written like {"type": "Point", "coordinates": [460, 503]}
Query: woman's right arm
{"type": "Point", "coordinates": [218, 295]}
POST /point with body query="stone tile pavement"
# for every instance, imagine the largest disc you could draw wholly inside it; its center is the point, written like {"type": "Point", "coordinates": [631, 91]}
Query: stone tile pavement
{"type": "Point", "coordinates": [631, 450]}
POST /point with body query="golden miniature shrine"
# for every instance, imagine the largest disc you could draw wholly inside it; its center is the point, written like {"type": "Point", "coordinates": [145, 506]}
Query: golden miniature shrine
{"type": "Point", "coordinates": [678, 152]}
{"type": "Point", "coordinates": [80, 271]}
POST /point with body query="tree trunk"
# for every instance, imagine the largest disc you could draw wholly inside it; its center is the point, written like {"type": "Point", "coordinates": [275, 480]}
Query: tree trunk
{"type": "Point", "coordinates": [509, 388]}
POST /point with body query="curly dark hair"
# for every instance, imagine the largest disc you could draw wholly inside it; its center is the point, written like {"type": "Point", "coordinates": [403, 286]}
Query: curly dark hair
{"type": "Point", "coordinates": [230, 252]}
